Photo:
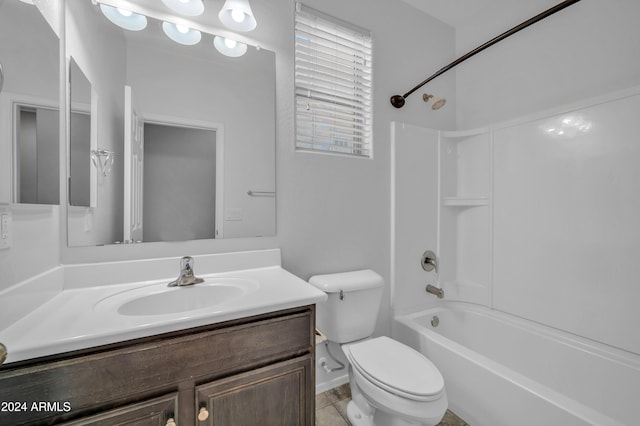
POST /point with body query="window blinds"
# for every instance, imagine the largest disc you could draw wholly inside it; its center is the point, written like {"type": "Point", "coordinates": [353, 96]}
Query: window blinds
{"type": "Point", "coordinates": [333, 84]}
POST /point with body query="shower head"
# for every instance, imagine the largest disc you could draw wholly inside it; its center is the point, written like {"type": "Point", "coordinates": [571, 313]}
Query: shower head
{"type": "Point", "coordinates": [437, 103]}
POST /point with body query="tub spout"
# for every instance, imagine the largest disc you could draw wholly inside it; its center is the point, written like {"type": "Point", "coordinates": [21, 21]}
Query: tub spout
{"type": "Point", "coordinates": [435, 290]}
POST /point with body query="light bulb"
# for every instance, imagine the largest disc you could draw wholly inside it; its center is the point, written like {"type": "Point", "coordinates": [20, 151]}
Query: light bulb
{"type": "Point", "coordinates": [237, 15]}
{"type": "Point", "coordinates": [124, 18]}
{"type": "Point", "coordinates": [229, 47]}
{"type": "Point", "coordinates": [181, 33]}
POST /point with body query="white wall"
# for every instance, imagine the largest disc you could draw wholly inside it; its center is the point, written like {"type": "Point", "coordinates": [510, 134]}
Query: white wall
{"type": "Point", "coordinates": [34, 248]}
{"type": "Point", "coordinates": [588, 49]}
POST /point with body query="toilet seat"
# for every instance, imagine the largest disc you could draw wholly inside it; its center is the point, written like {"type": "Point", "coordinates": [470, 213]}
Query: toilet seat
{"type": "Point", "coordinates": [396, 368]}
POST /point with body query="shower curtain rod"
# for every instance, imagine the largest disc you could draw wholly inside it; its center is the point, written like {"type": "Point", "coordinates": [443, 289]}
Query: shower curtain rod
{"type": "Point", "coordinates": [398, 101]}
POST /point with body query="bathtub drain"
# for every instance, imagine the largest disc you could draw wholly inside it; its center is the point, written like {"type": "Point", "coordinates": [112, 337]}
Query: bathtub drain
{"type": "Point", "coordinates": [435, 321]}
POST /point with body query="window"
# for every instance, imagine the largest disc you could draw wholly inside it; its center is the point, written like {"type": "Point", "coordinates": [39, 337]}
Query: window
{"type": "Point", "coordinates": [333, 84]}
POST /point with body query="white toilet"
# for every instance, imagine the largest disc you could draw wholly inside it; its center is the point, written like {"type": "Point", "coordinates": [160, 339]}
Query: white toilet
{"type": "Point", "coordinates": [391, 383]}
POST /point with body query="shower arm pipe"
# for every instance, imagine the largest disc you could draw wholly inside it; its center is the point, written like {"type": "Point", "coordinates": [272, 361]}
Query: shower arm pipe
{"type": "Point", "coordinates": [398, 100]}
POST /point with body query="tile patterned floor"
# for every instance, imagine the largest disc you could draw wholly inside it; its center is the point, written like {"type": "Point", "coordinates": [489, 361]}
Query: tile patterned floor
{"type": "Point", "coordinates": [331, 409]}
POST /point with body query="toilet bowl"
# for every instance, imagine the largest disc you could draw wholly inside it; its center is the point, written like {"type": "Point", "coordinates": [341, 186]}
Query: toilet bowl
{"type": "Point", "coordinates": [393, 385]}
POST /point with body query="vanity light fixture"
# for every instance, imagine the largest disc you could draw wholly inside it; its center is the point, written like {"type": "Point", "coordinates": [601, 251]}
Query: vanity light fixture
{"type": "Point", "coordinates": [229, 47]}
{"type": "Point", "coordinates": [124, 18]}
{"type": "Point", "coordinates": [181, 33]}
{"type": "Point", "coordinates": [237, 15]}
{"type": "Point", "coordinates": [185, 7]}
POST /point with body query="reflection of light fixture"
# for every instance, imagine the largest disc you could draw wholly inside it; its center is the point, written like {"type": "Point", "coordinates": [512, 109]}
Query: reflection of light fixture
{"type": "Point", "coordinates": [229, 47]}
{"type": "Point", "coordinates": [124, 18]}
{"type": "Point", "coordinates": [28, 1]}
{"type": "Point", "coordinates": [103, 160]}
{"type": "Point", "coordinates": [566, 127]}
{"type": "Point", "coordinates": [181, 33]}
{"type": "Point", "coordinates": [185, 7]}
{"type": "Point", "coordinates": [237, 15]}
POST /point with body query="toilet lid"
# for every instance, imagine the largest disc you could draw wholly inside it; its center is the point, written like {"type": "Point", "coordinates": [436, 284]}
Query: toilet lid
{"type": "Point", "coordinates": [396, 368]}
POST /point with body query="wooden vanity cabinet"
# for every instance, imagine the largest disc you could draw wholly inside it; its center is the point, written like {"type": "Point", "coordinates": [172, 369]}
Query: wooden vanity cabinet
{"type": "Point", "coordinates": [252, 371]}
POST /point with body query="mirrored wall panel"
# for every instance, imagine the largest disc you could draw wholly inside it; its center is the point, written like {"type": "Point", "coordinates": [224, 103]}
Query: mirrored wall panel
{"type": "Point", "coordinates": [184, 143]}
{"type": "Point", "coordinates": [29, 106]}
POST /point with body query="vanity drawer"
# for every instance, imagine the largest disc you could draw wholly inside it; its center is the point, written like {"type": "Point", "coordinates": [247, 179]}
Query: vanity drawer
{"type": "Point", "coordinates": [153, 367]}
{"type": "Point", "coordinates": [157, 411]}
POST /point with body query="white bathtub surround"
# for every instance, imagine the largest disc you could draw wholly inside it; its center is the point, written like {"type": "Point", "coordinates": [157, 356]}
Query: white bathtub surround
{"type": "Point", "coordinates": [499, 368]}
{"type": "Point", "coordinates": [537, 218]}
{"type": "Point", "coordinates": [532, 216]}
{"type": "Point", "coordinates": [80, 316]}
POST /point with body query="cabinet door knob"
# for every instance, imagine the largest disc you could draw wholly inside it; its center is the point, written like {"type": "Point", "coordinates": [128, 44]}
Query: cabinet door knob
{"type": "Point", "coordinates": [203, 414]}
{"type": "Point", "coordinates": [170, 422]}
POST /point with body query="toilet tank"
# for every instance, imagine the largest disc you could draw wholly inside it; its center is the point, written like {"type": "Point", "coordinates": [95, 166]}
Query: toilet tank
{"type": "Point", "coordinates": [351, 310]}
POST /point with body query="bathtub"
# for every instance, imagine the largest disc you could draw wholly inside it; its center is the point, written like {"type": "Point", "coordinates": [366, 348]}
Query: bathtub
{"type": "Point", "coordinates": [500, 370]}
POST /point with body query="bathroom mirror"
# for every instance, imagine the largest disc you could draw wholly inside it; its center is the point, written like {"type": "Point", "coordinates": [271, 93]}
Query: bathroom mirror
{"type": "Point", "coordinates": [29, 106]}
{"type": "Point", "coordinates": [82, 149]}
{"type": "Point", "coordinates": [190, 134]}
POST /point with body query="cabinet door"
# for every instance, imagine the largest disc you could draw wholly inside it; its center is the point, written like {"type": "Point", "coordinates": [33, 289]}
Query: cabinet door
{"type": "Point", "coordinates": [279, 394]}
{"type": "Point", "coordinates": [154, 412]}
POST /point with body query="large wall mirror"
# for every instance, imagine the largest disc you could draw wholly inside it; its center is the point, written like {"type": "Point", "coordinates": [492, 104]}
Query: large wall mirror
{"type": "Point", "coordinates": [29, 106]}
{"type": "Point", "coordinates": [183, 145]}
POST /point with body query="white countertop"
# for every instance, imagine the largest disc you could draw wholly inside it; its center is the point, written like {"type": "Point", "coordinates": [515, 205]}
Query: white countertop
{"type": "Point", "coordinates": [70, 320]}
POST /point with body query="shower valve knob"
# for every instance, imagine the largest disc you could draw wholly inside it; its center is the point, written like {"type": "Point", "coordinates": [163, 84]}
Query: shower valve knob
{"type": "Point", "coordinates": [429, 261]}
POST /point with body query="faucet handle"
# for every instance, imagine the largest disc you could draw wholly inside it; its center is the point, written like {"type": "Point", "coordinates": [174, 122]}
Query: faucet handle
{"type": "Point", "coordinates": [186, 261]}
{"type": "Point", "coordinates": [429, 261]}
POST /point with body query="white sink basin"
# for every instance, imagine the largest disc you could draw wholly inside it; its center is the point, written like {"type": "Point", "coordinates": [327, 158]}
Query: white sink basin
{"type": "Point", "coordinates": [159, 299]}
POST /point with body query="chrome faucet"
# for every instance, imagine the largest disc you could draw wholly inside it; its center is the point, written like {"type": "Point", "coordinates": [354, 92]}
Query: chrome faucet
{"type": "Point", "coordinates": [186, 276]}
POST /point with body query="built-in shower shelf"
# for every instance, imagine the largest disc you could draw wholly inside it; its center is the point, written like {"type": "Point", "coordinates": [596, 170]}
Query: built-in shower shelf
{"type": "Point", "coordinates": [465, 201]}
